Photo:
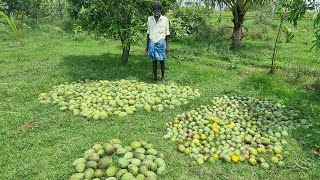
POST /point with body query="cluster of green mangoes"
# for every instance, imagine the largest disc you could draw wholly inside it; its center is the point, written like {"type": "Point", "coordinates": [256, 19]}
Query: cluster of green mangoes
{"type": "Point", "coordinates": [235, 129]}
{"type": "Point", "coordinates": [112, 161]}
{"type": "Point", "coordinates": [100, 99]}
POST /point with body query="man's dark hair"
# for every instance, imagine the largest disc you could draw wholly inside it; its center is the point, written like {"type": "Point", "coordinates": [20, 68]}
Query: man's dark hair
{"type": "Point", "coordinates": [156, 5]}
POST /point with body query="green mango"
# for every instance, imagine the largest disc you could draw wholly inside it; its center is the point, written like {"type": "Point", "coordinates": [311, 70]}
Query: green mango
{"type": "Point", "coordinates": [123, 162]}
{"type": "Point", "coordinates": [94, 157]}
{"type": "Point", "coordinates": [121, 151]}
{"type": "Point", "coordinates": [105, 162]}
{"type": "Point", "coordinates": [143, 169]}
{"type": "Point", "coordinates": [87, 154]}
{"type": "Point", "coordinates": [92, 164]}
{"type": "Point", "coordinates": [111, 171]}
{"type": "Point", "coordinates": [140, 177]}
{"type": "Point", "coordinates": [152, 152]}
{"type": "Point", "coordinates": [133, 169]}
{"type": "Point", "coordinates": [115, 141]}
{"type": "Point", "coordinates": [135, 161]}
{"type": "Point", "coordinates": [89, 173]}
{"type": "Point", "coordinates": [127, 176]}
{"type": "Point", "coordinates": [140, 150]}
{"type": "Point", "coordinates": [78, 161]}
{"type": "Point", "coordinates": [150, 174]}
{"type": "Point", "coordinates": [264, 165]}
{"type": "Point", "coordinates": [80, 167]}
{"type": "Point", "coordinates": [153, 167]}
{"type": "Point", "coordinates": [135, 145]}
{"type": "Point", "coordinates": [77, 176]}
{"type": "Point", "coordinates": [161, 171]}
{"type": "Point", "coordinates": [98, 173]}
{"type": "Point", "coordinates": [128, 155]}
{"type": "Point", "coordinates": [121, 172]}
{"type": "Point", "coordinates": [109, 149]}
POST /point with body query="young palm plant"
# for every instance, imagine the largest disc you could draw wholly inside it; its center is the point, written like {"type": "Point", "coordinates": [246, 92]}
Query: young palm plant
{"type": "Point", "coordinates": [289, 33]}
{"type": "Point", "coordinates": [17, 31]}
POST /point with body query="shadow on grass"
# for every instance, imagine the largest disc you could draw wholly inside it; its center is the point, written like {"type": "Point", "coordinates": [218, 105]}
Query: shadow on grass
{"type": "Point", "coordinates": [107, 66]}
{"type": "Point", "coordinates": [307, 102]}
{"type": "Point", "coordinates": [253, 54]}
{"type": "Point", "coordinates": [269, 85]}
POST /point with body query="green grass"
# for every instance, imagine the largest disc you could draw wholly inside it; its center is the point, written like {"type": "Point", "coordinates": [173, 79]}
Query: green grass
{"type": "Point", "coordinates": [40, 142]}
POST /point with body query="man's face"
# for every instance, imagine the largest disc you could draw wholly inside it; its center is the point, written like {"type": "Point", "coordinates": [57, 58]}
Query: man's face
{"type": "Point", "coordinates": [157, 12]}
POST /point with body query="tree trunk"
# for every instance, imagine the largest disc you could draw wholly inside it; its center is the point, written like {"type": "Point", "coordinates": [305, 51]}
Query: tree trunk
{"type": "Point", "coordinates": [125, 55]}
{"type": "Point", "coordinates": [238, 20]}
{"type": "Point", "coordinates": [125, 48]}
{"type": "Point", "coordinates": [237, 37]}
{"type": "Point", "coordinates": [275, 47]}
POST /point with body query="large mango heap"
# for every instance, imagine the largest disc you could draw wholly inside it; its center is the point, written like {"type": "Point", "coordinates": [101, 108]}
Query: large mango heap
{"type": "Point", "coordinates": [100, 99]}
{"type": "Point", "coordinates": [112, 161]}
{"type": "Point", "coordinates": [235, 129]}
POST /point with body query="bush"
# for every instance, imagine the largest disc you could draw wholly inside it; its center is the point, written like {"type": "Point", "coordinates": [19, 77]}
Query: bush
{"type": "Point", "coordinates": [208, 35]}
{"type": "Point", "coordinates": [263, 15]}
{"type": "Point", "coordinates": [186, 21]}
{"type": "Point", "coordinates": [260, 27]}
{"type": "Point", "coordinates": [259, 32]}
{"type": "Point", "coordinates": [316, 85]}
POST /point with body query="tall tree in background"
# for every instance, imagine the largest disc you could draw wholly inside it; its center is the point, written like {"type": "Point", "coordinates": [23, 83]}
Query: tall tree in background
{"type": "Point", "coordinates": [239, 8]}
{"type": "Point", "coordinates": [3, 6]}
{"type": "Point", "coordinates": [14, 6]}
{"type": "Point", "coordinates": [58, 6]}
{"type": "Point", "coordinates": [35, 8]}
{"type": "Point", "coordinates": [124, 19]}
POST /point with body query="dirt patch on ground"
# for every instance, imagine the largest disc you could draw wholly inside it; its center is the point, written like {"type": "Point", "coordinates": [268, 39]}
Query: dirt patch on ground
{"type": "Point", "coordinates": [29, 125]}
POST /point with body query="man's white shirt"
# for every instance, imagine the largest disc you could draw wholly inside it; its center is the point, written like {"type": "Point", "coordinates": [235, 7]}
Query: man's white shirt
{"type": "Point", "coordinates": [158, 30]}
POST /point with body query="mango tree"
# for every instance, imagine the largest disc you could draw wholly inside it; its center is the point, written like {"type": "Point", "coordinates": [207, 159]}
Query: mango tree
{"type": "Point", "coordinates": [316, 41]}
{"type": "Point", "coordinates": [123, 19]}
{"type": "Point", "coordinates": [291, 11]}
{"type": "Point", "coordinates": [239, 8]}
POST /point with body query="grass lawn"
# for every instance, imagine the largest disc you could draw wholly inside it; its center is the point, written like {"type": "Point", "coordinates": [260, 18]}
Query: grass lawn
{"type": "Point", "coordinates": [40, 142]}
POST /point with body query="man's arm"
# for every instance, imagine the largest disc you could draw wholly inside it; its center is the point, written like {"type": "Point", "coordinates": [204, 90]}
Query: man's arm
{"type": "Point", "coordinates": [167, 43]}
{"type": "Point", "coordinates": [167, 35]}
{"type": "Point", "coordinates": [148, 39]}
{"type": "Point", "coordinates": [148, 34]}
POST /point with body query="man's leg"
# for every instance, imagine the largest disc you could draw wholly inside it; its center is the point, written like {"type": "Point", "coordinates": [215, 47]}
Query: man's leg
{"type": "Point", "coordinates": [155, 68]}
{"type": "Point", "coordinates": [162, 69]}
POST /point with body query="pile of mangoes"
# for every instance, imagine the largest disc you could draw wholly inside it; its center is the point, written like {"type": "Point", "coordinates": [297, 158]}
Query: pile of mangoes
{"type": "Point", "coordinates": [101, 99]}
{"type": "Point", "coordinates": [112, 161]}
{"type": "Point", "coordinates": [235, 129]}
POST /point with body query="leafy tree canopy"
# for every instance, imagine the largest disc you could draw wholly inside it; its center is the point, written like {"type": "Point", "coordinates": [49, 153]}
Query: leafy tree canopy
{"type": "Point", "coordinates": [124, 19]}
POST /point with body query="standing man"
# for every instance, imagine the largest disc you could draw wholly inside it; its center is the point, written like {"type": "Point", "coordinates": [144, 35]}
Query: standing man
{"type": "Point", "coordinates": [157, 39]}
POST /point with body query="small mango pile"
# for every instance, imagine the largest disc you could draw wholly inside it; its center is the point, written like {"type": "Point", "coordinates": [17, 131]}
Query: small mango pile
{"type": "Point", "coordinates": [112, 161]}
{"type": "Point", "coordinates": [235, 129]}
{"type": "Point", "coordinates": [101, 99]}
